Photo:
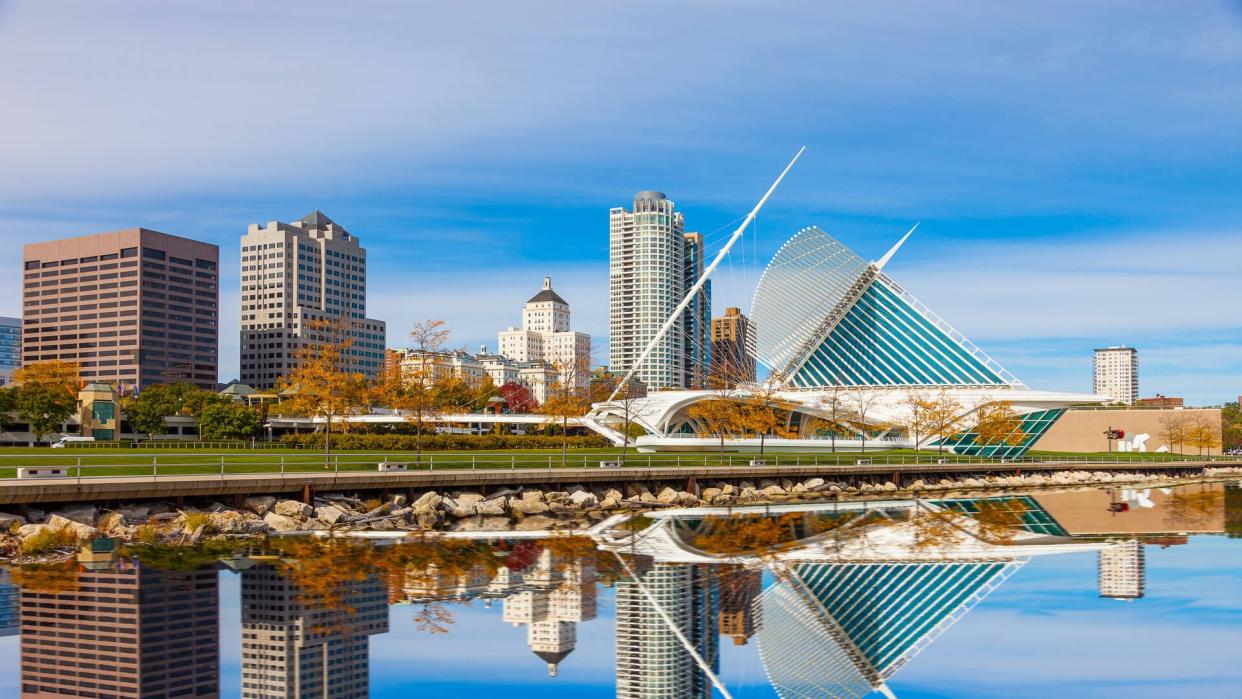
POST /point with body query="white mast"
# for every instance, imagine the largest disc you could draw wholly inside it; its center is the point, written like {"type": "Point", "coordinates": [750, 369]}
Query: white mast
{"type": "Point", "coordinates": [681, 307]}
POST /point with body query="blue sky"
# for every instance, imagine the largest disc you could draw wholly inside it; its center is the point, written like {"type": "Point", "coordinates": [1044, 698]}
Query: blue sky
{"type": "Point", "coordinates": [1075, 166]}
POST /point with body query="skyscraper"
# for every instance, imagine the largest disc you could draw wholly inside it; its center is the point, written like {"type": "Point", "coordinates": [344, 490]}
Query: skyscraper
{"type": "Point", "coordinates": [1123, 570]}
{"type": "Point", "coordinates": [652, 663]}
{"type": "Point", "coordinates": [1116, 373]}
{"type": "Point", "coordinates": [128, 632]}
{"type": "Point", "coordinates": [733, 348]}
{"type": "Point", "coordinates": [652, 264]}
{"type": "Point", "coordinates": [10, 348]}
{"type": "Point", "coordinates": [133, 306]}
{"type": "Point", "coordinates": [292, 650]}
{"type": "Point", "coordinates": [301, 283]}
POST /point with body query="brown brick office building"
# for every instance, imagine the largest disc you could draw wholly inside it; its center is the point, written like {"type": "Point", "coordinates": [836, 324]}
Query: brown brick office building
{"type": "Point", "coordinates": [133, 306]}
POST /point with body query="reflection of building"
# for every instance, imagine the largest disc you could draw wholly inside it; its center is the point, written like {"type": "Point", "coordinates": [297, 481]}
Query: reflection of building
{"type": "Point", "coordinates": [1123, 570]}
{"type": "Point", "coordinates": [652, 663]}
{"type": "Point", "coordinates": [295, 275]}
{"type": "Point", "coordinates": [733, 348]}
{"type": "Point", "coordinates": [96, 286]}
{"type": "Point", "coordinates": [127, 631]}
{"type": "Point", "coordinates": [555, 599]}
{"type": "Point", "coordinates": [1116, 373]}
{"type": "Point", "coordinates": [10, 598]}
{"type": "Point", "coordinates": [739, 587]}
{"type": "Point", "coordinates": [292, 650]}
{"type": "Point", "coordinates": [650, 260]}
{"type": "Point", "coordinates": [1147, 512]}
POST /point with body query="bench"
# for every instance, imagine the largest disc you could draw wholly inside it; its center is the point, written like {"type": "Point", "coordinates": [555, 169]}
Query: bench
{"type": "Point", "coordinates": [391, 466]}
{"type": "Point", "coordinates": [610, 464]}
{"type": "Point", "coordinates": [863, 462]}
{"type": "Point", "coordinates": [43, 472]}
{"type": "Point", "coordinates": [758, 462]}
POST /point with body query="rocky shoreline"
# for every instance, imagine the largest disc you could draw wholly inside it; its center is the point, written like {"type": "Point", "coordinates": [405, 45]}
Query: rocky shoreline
{"type": "Point", "coordinates": [43, 535]}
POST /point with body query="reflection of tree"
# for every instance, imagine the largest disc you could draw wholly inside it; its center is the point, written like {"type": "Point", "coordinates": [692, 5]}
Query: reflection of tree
{"type": "Point", "coordinates": [433, 618]}
{"type": "Point", "coordinates": [1194, 506]}
{"type": "Point", "coordinates": [1000, 519]}
{"type": "Point", "coordinates": [935, 529]}
{"type": "Point", "coordinates": [51, 578]}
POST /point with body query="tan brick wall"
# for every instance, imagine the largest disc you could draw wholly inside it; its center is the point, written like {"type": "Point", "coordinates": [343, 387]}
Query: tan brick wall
{"type": "Point", "coordinates": [1083, 430]}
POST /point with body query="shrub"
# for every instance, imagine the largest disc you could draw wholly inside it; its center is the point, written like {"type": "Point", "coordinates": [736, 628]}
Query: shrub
{"type": "Point", "coordinates": [194, 520]}
{"type": "Point", "coordinates": [48, 539]}
{"type": "Point", "coordinates": [442, 442]}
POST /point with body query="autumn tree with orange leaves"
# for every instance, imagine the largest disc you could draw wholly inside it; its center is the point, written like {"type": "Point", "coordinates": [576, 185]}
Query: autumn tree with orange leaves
{"type": "Point", "coordinates": [322, 385]}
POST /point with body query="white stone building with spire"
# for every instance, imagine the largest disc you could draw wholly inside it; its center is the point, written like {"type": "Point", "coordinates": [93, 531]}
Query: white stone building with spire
{"type": "Point", "coordinates": [545, 336]}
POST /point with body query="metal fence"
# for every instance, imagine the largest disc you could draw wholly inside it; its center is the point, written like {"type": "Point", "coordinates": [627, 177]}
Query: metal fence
{"type": "Point", "coordinates": [99, 464]}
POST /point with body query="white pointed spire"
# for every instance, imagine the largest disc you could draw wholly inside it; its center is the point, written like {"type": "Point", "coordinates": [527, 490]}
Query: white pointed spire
{"type": "Point", "coordinates": [879, 265]}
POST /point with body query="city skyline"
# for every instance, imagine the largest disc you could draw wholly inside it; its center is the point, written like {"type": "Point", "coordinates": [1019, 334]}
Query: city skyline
{"type": "Point", "coordinates": [1037, 163]}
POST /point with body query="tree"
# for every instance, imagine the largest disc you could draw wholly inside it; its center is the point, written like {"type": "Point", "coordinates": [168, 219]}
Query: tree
{"type": "Point", "coordinates": [566, 398]}
{"type": "Point", "coordinates": [1173, 430]}
{"type": "Point", "coordinates": [836, 413]}
{"type": "Point", "coordinates": [760, 413]}
{"type": "Point", "coordinates": [321, 385]}
{"type": "Point", "coordinates": [862, 402]}
{"type": "Point", "coordinates": [997, 424]}
{"type": "Point", "coordinates": [944, 418]}
{"type": "Point", "coordinates": [721, 417]}
{"type": "Point", "coordinates": [411, 387]}
{"type": "Point", "coordinates": [46, 394]}
{"type": "Point", "coordinates": [228, 420]}
{"type": "Point", "coordinates": [1201, 435]}
{"type": "Point", "coordinates": [1231, 426]}
{"type": "Point", "coordinates": [917, 420]}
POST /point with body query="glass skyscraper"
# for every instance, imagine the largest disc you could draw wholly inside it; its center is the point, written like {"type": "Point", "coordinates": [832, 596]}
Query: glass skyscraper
{"type": "Point", "coordinates": [10, 347]}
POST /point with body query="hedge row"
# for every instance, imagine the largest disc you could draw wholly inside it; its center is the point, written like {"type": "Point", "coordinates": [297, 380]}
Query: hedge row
{"type": "Point", "coordinates": [442, 442]}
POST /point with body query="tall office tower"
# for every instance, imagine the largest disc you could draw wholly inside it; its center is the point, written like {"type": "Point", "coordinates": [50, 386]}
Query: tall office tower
{"type": "Point", "coordinates": [303, 283]}
{"type": "Point", "coordinates": [647, 273]}
{"type": "Point", "coordinates": [132, 307]}
{"type": "Point", "coordinates": [697, 318]}
{"type": "Point", "coordinates": [733, 348]}
{"type": "Point", "coordinates": [1123, 570]}
{"type": "Point", "coordinates": [652, 663]}
{"type": "Point", "coordinates": [739, 588]}
{"type": "Point", "coordinates": [10, 598]}
{"type": "Point", "coordinates": [126, 632]}
{"type": "Point", "coordinates": [291, 650]}
{"type": "Point", "coordinates": [1116, 373]}
{"type": "Point", "coordinates": [10, 348]}
{"type": "Point", "coordinates": [545, 336]}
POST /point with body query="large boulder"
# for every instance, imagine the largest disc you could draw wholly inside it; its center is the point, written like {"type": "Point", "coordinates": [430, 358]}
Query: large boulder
{"type": "Point", "coordinates": [80, 531]}
{"type": "Point", "coordinates": [227, 522]}
{"type": "Point", "coordinates": [773, 491]}
{"type": "Point", "coordinates": [458, 509]}
{"type": "Point", "coordinates": [527, 507]}
{"type": "Point", "coordinates": [293, 509]}
{"type": "Point", "coordinates": [281, 523]}
{"type": "Point", "coordinates": [427, 518]}
{"type": "Point", "coordinates": [609, 503]}
{"type": "Point", "coordinates": [82, 514]}
{"type": "Point", "coordinates": [259, 504]}
{"type": "Point", "coordinates": [614, 494]}
{"type": "Point", "coordinates": [430, 499]}
{"type": "Point", "coordinates": [398, 500]}
{"type": "Point", "coordinates": [687, 499]}
{"type": "Point", "coordinates": [583, 499]}
{"type": "Point", "coordinates": [7, 521]}
{"type": "Point", "coordinates": [532, 495]}
{"type": "Point", "coordinates": [28, 530]}
{"type": "Point", "coordinates": [134, 514]}
{"type": "Point", "coordinates": [112, 523]}
{"type": "Point", "coordinates": [667, 496]}
{"type": "Point", "coordinates": [813, 484]}
{"type": "Point", "coordinates": [329, 514]}
{"type": "Point", "coordinates": [710, 494]}
{"type": "Point", "coordinates": [496, 507]}
{"type": "Point", "coordinates": [469, 498]}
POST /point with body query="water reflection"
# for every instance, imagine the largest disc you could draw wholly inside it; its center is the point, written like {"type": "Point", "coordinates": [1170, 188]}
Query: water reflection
{"type": "Point", "coordinates": [835, 597]}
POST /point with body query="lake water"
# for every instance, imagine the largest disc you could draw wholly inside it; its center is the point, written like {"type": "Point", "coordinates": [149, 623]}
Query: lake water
{"type": "Point", "coordinates": [1082, 593]}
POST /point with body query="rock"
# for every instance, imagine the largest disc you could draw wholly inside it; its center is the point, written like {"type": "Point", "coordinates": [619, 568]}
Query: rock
{"type": "Point", "coordinates": [532, 495]}
{"type": "Point", "coordinates": [329, 514]}
{"type": "Point", "coordinates": [457, 509]}
{"type": "Point", "coordinates": [80, 531]}
{"type": "Point", "coordinates": [634, 489]}
{"type": "Point", "coordinates": [583, 499]}
{"type": "Point", "coordinates": [427, 519]}
{"type": "Point", "coordinates": [747, 492]}
{"type": "Point", "coordinates": [492, 508]}
{"type": "Point", "coordinates": [527, 507]}
{"type": "Point", "coordinates": [710, 494]}
{"type": "Point", "coordinates": [918, 485]}
{"type": "Point", "coordinates": [556, 496]}
{"type": "Point", "coordinates": [227, 522]}
{"type": "Point", "coordinates": [111, 523]}
{"type": "Point", "coordinates": [281, 523]}
{"type": "Point", "coordinates": [609, 503]}
{"type": "Point", "coordinates": [728, 489]}
{"type": "Point", "coordinates": [773, 491]}
{"type": "Point", "coordinates": [481, 524]}
{"type": "Point", "coordinates": [135, 514]}
{"type": "Point", "coordinates": [723, 500]}
{"type": "Point", "coordinates": [429, 499]}
{"type": "Point", "coordinates": [1015, 481]}
{"type": "Point", "coordinates": [82, 514]}
{"type": "Point", "coordinates": [28, 530]}
{"type": "Point", "coordinates": [398, 500]}
{"type": "Point", "coordinates": [648, 499]}
{"type": "Point", "coordinates": [7, 521]}
{"type": "Point", "coordinates": [468, 498]}
{"type": "Point", "coordinates": [813, 483]}
{"type": "Point", "coordinates": [667, 496]}
{"type": "Point", "coordinates": [614, 494]}
{"type": "Point", "coordinates": [292, 509]}
{"type": "Point", "coordinates": [889, 486]}
{"type": "Point", "coordinates": [259, 504]}
{"type": "Point", "coordinates": [383, 525]}
{"type": "Point", "coordinates": [798, 488]}
{"type": "Point", "coordinates": [562, 507]}
{"type": "Point", "coordinates": [687, 499]}
{"type": "Point", "coordinates": [159, 508]}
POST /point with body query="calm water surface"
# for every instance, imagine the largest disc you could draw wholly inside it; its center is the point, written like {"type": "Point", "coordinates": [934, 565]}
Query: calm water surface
{"type": "Point", "coordinates": [1091, 593]}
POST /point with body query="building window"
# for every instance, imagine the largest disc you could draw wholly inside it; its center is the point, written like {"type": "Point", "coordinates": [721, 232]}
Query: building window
{"type": "Point", "coordinates": [129, 252]}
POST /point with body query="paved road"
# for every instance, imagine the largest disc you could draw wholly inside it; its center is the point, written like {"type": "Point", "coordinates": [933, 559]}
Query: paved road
{"type": "Point", "coordinates": [114, 488]}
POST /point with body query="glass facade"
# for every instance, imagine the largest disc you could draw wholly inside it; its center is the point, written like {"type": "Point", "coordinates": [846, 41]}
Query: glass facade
{"type": "Point", "coordinates": [10, 346]}
{"type": "Point", "coordinates": [1032, 427]}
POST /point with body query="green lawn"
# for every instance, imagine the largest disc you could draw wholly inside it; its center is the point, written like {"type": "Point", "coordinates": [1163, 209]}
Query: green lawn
{"type": "Point", "coordinates": [114, 462]}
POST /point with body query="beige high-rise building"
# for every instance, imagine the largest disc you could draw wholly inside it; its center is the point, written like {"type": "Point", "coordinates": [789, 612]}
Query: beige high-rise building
{"type": "Point", "coordinates": [546, 338]}
{"type": "Point", "coordinates": [733, 348]}
{"type": "Point", "coordinates": [1123, 570]}
{"type": "Point", "coordinates": [130, 307]}
{"type": "Point", "coordinates": [652, 263]}
{"type": "Point", "coordinates": [294, 277]}
{"type": "Point", "coordinates": [1116, 373]}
